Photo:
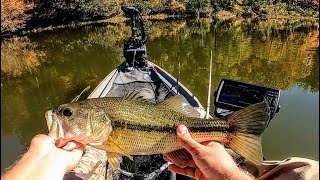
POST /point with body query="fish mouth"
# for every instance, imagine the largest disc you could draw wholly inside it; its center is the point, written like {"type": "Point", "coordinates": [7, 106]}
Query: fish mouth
{"type": "Point", "coordinates": [58, 129]}
{"type": "Point", "coordinates": [54, 124]}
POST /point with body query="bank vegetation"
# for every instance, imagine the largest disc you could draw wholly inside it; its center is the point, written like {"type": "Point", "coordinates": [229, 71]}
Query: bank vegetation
{"type": "Point", "coordinates": [22, 15]}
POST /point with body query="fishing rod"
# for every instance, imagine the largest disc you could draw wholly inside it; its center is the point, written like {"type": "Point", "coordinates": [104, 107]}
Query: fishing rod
{"type": "Point", "coordinates": [78, 96]}
{"type": "Point", "coordinates": [209, 89]}
{"type": "Point", "coordinates": [178, 76]}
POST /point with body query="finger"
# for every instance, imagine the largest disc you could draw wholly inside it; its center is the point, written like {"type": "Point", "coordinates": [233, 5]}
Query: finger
{"type": "Point", "coordinates": [69, 146]}
{"type": "Point", "coordinates": [187, 141]}
{"type": "Point", "coordinates": [213, 144]}
{"type": "Point", "coordinates": [61, 142]}
{"type": "Point", "coordinates": [52, 134]}
{"type": "Point", "coordinates": [41, 139]}
{"type": "Point", "coordinates": [198, 174]}
{"type": "Point", "coordinates": [192, 164]}
{"type": "Point", "coordinates": [190, 172]}
{"type": "Point", "coordinates": [73, 145]}
{"type": "Point", "coordinates": [79, 146]}
{"type": "Point", "coordinates": [166, 158]}
{"type": "Point", "coordinates": [74, 157]}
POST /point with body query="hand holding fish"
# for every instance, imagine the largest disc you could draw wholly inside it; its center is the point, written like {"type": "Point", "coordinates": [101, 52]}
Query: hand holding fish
{"type": "Point", "coordinates": [46, 159]}
{"type": "Point", "coordinates": [210, 160]}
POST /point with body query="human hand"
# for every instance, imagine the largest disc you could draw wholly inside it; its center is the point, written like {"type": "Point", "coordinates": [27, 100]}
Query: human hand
{"type": "Point", "coordinates": [47, 159]}
{"type": "Point", "coordinates": [65, 153]}
{"type": "Point", "coordinates": [210, 160]}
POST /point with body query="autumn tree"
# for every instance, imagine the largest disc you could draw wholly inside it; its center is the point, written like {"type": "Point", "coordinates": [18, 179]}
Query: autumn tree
{"type": "Point", "coordinates": [13, 14]}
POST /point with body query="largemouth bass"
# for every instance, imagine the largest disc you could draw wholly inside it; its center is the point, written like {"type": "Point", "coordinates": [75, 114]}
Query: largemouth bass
{"type": "Point", "coordinates": [130, 126]}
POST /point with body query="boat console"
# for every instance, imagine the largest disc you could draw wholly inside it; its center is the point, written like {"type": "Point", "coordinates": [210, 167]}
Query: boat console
{"type": "Point", "coordinates": [233, 95]}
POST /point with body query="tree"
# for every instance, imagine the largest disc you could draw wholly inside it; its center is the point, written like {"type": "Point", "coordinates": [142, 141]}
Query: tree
{"type": "Point", "coordinates": [13, 14]}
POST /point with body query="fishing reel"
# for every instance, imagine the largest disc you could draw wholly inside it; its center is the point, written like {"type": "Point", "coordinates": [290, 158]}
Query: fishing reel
{"type": "Point", "coordinates": [134, 49]}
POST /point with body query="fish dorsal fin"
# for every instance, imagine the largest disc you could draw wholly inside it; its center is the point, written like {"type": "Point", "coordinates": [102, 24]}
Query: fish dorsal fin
{"type": "Point", "coordinates": [142, 95]}
{"type": "Point", "coordinates": [132, 95]}
{"type": "Point", "coordinates": [179, 104]}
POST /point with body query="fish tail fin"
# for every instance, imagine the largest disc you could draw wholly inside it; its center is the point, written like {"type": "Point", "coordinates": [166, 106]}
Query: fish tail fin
{"type": "Point", "coordinates": [248, 124]}
{"type": "Point", "coordinates": [248, 146]}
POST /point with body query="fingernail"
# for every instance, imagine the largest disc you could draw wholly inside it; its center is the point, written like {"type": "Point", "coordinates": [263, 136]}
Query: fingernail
{"type": "Point", "coordinates": [67, 146]}
{"type": "Point", "coordinates": [182, 130]}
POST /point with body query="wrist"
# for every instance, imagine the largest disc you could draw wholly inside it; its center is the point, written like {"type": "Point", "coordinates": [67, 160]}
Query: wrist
{"type": "Point", "coordinates": [237, 173]}
{"type": "Point", "coordinates": [22, 168]}
{"type": "Point", "coordinates": [45, 165]}
{"type": "Point", "coordinates": [56, 165]}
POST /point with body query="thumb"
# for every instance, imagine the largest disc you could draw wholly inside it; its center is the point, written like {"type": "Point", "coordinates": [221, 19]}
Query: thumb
{"type": "Point", "coordinates": [61, 142]}
{"type": "Point", "coordinates": [187, 141]}
{"type": "Point", "coordinates": [74, 156]}
{"type": "Point", "coordinates": [52, 134]}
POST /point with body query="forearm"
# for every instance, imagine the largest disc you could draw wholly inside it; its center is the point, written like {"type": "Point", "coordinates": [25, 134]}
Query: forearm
{"type": "Point", "coordinates": [33, 166]}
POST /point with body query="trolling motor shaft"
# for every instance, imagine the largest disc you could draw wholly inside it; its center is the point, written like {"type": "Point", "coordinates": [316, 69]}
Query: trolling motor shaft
{"type": "Point", "coordinates": [134, 49]}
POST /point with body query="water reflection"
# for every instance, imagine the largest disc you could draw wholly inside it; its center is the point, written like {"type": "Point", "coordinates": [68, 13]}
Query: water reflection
{"type": "Point", "coordinates": [19, 55]}
{"type": "Point", "coordinates": [281, 54]}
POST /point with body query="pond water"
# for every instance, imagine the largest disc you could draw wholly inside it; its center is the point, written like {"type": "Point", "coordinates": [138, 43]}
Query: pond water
{"type": "Point", "coordinates": [46, 69]}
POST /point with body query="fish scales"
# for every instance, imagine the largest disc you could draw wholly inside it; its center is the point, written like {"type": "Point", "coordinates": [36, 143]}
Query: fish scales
{"type": "Point", "coordinates": [154, 128]}
{"type": "Point", "coordinates": [142, 142]}
{"type": "Point", "coordinates": [147, 117]}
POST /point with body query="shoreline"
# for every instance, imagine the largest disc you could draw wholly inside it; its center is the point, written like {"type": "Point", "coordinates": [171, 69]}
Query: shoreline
{"type": "Point", "coordinates": [157, 17]}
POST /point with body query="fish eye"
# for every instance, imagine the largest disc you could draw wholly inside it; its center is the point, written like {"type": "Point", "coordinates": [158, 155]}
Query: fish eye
{"type": "Point", "coordinates": [67, 112]}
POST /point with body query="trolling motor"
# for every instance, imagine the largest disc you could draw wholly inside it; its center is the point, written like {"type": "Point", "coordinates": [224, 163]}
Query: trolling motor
{"type": "Point", "coordinates": [134, 49]}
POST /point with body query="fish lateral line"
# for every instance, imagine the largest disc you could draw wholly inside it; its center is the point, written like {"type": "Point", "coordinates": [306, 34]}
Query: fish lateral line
{"type": "Point", "coordinates": [169, 128]}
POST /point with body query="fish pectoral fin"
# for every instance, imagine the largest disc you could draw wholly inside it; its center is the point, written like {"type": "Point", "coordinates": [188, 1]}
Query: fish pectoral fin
{"type": "Point", "coordinates": [179, 104]}
{"type": "Point", "coordinates": [110, 144]}
{"type": "Point", "coordinates": [179, 157]}
{"type": "Point", "coordinates": [114, 159]}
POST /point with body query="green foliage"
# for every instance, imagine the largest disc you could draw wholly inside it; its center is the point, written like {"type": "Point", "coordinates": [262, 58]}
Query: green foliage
{"type": "Point", "coordinates": [146, 7]}
{"type": "Point", "coordinates": [56, 12]}
{"type": "Point", "coordinates": [272, 8]}
{"type": "Point", "coordinates": [198, 5]}
{"type": "Point", "coordinates": [61, 12]}
{"type": "Point", "coordinates": [227, 5]}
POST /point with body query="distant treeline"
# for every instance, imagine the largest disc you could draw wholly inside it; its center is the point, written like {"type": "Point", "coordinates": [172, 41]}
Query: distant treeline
{"type": "Point", "coordinates": [30, 14]}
